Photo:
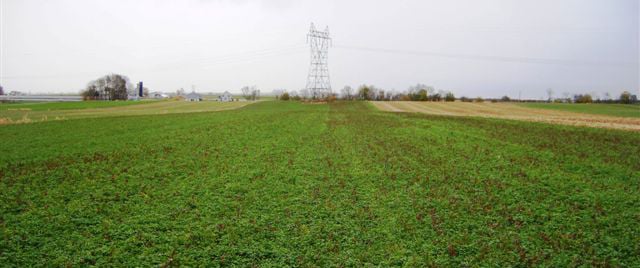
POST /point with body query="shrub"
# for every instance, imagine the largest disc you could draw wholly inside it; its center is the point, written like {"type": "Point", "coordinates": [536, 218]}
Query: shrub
{"type": "Point", "coordinates": [586, 98]}
{"type": "Point", "coordinates": [625, 97]}
{"type": "Point", "coordinates": [285, 96]}
{"type": "Point", "coordinates": [505, 99]}
{"type": "Point", "coordinates": [366, 92]}
{"type": "Point", "coordinates": [420, 95]}
{"type": "Point", "coordinates": [465, 99]}
{"type": "Point", "coordinates": [479, 99]}
{"type": "Point", "coordinates": [449, 97]}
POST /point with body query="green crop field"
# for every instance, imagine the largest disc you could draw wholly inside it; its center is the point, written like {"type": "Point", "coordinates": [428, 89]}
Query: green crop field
{"type": "Point", "coordinates": [340, 184]}
{"type": "Point", "coordinates": [623, 110]}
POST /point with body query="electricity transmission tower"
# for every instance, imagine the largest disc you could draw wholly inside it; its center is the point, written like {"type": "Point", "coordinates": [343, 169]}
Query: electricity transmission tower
{"type": "Point", "coordinates": [318, 83]}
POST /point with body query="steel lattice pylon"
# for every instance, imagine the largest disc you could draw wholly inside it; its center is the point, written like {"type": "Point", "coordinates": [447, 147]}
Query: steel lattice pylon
{"type": "Point", "coordinates": [318, 83]}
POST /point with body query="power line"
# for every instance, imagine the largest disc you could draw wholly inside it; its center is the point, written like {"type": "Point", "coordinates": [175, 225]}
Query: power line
{"type": "Point", "coordinates": [490, 58]}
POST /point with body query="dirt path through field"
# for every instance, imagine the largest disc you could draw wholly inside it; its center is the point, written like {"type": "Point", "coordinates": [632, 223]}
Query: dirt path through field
{"type": "Point", "coordinates": [510, 111]}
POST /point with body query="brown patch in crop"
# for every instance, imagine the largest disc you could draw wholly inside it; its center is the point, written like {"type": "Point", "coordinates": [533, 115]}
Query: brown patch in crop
{"type": "Point", "coordinates": [511, 111]}
{"type": "Point", "coordinates": [451, 249]}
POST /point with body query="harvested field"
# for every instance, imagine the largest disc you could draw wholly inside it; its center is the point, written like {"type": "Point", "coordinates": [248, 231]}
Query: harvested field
{"type": "Point", "coordinates": [12, 115]}
{"type": "Point", "coordinates": [511, 111]}
{"type": "Point", "coordinates": [612, 109]}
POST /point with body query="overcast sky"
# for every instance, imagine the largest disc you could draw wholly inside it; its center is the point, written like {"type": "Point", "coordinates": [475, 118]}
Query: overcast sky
{"type": "Point", "coordinates": [474, 48]}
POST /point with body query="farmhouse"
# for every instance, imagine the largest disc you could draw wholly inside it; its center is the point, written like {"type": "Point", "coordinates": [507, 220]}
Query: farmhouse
{"type": "Point", "coordinates": [225, 97]}
{"type": "Point", "coordinates": [193, 96]}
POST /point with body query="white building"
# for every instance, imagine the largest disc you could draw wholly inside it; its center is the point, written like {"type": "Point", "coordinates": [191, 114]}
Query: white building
{"type": "Point", "coordinates": [16, 93]}
{"type": "Point", "coordinates": [159, 95]}
{"type": "Point", "coordinates": [225, 97]}
{"type": "Point", "coordinates": [193, 97]}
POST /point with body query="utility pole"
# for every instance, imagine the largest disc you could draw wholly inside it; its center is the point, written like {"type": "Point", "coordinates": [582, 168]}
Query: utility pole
{"type": "Point", "coordinates": [318, 83]}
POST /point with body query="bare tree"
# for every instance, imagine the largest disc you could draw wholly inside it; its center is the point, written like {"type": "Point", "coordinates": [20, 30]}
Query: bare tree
{"type": "Point", "coordinates": [278, 92]}
{"type": "Point", "coordinates": [245, 92]}
{"type": "Point", "coordinates": [250, 92]}
{"type": "Point", "coordinates": [373, 92]}
{"type": "Point", "coordinates": [304, 93]}
{"type": "Point", "coordinates": [379, 95]}
{"type": "Point", "coordinates": [1, 91]}
{"type": "Point", "coordinates": [347, 93]}
{"type": "Point", "coordinates": [550, 94]}
{"type": "Point", "coordinates": [390, 95]}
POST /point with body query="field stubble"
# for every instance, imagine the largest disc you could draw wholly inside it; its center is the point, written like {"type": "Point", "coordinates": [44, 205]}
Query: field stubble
{"type": "Point", "coordinates": [60, 112]}
{"type": "Point", "coordinates": [512, 111]}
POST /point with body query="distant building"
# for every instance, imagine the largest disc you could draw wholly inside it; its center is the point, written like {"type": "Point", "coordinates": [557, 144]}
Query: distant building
{"type": "Point", "coordinates": [225, 97]}
{"type": "Point", "coordinates": [16, 93]}
{"type": "Point", "coordinates": [193, 97]}
{"type": "Point", "coordinates": [159, 95]}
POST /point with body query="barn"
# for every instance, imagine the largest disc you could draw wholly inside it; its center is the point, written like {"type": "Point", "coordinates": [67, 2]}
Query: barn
{"type": "Point", "coordinates": [193, 97]}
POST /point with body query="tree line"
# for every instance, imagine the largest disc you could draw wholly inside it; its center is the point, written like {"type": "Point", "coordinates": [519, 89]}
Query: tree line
{"type": "Point", "coordinates": [418, 92]}
{"type": "Point", "coordinates": [421, 92]}
{"type": "Point", "coordinates": [625, 98]}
